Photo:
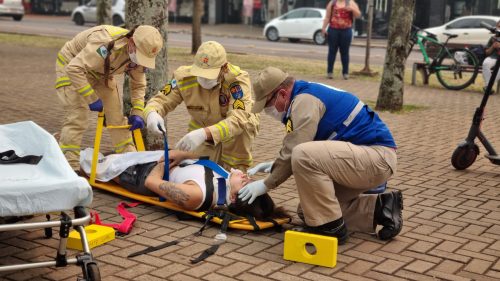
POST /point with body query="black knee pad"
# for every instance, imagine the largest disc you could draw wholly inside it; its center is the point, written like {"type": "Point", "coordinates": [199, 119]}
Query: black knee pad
{"type": "Point", "coordinates": [134, 178]}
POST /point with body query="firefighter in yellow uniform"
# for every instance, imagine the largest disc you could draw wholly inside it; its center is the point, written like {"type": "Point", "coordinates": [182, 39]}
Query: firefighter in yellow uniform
{"type": "Point", "coordinates": [218, 97]}
{"type": "Point", "coordinates": [85, 69]}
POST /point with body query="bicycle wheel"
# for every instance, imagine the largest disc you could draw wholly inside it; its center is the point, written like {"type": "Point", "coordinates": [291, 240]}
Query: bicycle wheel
{"type": "Point", "coordinates": [457, 69]}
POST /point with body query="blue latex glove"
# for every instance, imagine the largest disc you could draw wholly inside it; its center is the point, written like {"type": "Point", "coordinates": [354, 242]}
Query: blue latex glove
{"type": "Point", "coordinates": [264, 167]}
{"type": "Point", "coordinates": [136, 121]}
{"type": "Point", "coordinates": [96, 106]}
{"type": "Point", "coordinates": [252, 190]}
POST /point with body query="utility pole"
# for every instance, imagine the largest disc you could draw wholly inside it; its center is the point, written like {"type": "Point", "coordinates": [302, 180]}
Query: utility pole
{"type": "Point", "coordinates": [366, 70]}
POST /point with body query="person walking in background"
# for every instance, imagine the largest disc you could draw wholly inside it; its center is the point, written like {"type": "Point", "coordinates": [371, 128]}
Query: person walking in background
{"type": "Point", "coordinates": [85, 70]}
{"type": "Point", "coordinates": [491, 51]}
{"type": "Point", "coordinates": [337, 27]}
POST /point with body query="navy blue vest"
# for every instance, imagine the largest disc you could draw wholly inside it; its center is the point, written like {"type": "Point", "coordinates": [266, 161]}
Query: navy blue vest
{"type": "Point", "coordinates": [346, 118]}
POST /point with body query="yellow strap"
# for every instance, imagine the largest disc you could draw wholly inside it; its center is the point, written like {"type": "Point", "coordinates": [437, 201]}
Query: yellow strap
{"type": "Point", "coordinates": [86, 91]}
{"type": "Point", "coordinates": [234, 69]}
{"type": "Point", "coordinates": [115, 31]}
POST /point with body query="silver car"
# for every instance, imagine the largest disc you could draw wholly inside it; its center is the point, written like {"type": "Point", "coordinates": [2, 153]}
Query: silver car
{"type": "Point", "coordinates": [88, 13]}
{"type": "Point", "coordinates": [12, 8]}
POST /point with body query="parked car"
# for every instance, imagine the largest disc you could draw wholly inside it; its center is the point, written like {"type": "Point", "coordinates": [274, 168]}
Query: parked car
{"type": "Point", "coordinates": [467, 28]}
{"type": "Point", "coordinates": [88, 13]}
{"type": "Point", "coordinates": [301, 23]}
{"type": "Point", "coordinates": [12, 8]}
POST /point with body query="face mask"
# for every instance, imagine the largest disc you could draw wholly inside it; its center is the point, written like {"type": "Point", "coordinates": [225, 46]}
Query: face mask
{"type": "Point", "coordinates": [207, 83]}
{"type": "Point", "coordinates": [133, 57]}
{"type": "Point", "coordinates": [273, 112]}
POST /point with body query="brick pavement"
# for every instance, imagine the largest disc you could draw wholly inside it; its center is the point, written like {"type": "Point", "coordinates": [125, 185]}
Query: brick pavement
{"type": "Point", "coordinates": [452, 218]}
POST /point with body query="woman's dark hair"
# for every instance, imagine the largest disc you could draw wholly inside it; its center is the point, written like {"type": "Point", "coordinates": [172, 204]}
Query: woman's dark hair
{"type": "Point", "coordinates": [262, 208]}
{"type": "Point", "coordinates": [109, 48]}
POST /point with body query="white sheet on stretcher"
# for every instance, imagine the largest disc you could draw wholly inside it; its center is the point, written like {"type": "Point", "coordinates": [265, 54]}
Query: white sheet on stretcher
{"type": "Point", "coordinates": [113, 165]}
{"type": "Point", "coordinates": [49, 186]}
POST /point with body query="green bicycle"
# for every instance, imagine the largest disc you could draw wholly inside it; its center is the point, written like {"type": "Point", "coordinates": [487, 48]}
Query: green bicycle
{"type": "Point", "coordinates": [455, 69]}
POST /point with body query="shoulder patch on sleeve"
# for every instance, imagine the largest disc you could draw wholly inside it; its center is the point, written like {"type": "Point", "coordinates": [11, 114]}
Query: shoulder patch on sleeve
{"type": "Point", "coordinates": [239, 104]}
{"type": "Point", "coordinates": [102, 51]}
{"type": "Point", "coordinates": [289, 125]}
{"type": "Point", "coordinates": [168, 87]}
{"type": "Point", "coordinates": [235, 90]}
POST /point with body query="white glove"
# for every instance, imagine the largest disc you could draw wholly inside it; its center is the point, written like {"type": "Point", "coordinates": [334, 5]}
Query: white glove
{"type": "Point", "coordinates": [153, 120]}
{"type": "Point", "coordinates": [192, 140]}
{"type": "Point", "coordinates": [252, 191]}
{"type": "Point", "coordinates": [264, 167]}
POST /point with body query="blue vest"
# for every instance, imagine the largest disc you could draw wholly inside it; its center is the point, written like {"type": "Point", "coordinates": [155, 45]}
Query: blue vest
{"type": "Point", "coordinates": [346, 117]}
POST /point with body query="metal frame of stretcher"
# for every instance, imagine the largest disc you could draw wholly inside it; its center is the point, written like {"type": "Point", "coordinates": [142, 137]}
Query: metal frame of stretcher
{"type": "Point", "coordinates": [84, 260]}
{"type": "Point", "coordinates": [239, 223]}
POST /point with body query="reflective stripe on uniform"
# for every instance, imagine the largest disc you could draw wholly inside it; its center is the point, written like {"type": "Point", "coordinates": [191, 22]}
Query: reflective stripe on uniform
{"type": "Point", "coordinates": [235, 161]}
{"type": "Point", "coordinates": [95, 74]}
{"type": "Point", "coordinates": [67, 147]}
{"type": "Point", "coordinates": [356, 110]}
{"type": "Point", "coordinates": [62, 81]}
{"type": "Point", "coordinates": [115, 31]}
{"type": "Point", "coordinates": [223, 130]}
{"type": "Point", "coordinates": [187, 83]}
{"type": "Point", "coordinates": [138, 104]}
{"type": "Point", "coordinates": [86, 90]}
{"type": "Point", "coordinates": [61, 60]}
{"type": "Point", "coordinates": [193, 125]}
{"type": "Point", "coordinates": [353, 113]}
{"type": "Point", "coordinates": [234, 69]}
{"type": "Point", "coordinates": [121, 146]}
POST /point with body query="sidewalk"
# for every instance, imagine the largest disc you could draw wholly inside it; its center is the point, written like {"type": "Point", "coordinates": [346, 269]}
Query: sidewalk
{"type": "Point", "coordinates": [253, 32]}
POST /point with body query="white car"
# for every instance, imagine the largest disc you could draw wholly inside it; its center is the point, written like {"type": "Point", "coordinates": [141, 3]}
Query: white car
{"type": "Point", "coordinates": [88, 13]}
{"type": "Point", "coordinates": [12, 8]}
{"type": "Point", "coordinates": [302, 23]}
{"type": "Point", "coordinates": [468, 29]}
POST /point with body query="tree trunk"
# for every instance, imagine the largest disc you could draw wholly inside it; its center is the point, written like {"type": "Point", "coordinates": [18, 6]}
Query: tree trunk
{"type": "Point", "coordinates": [390, 96]}
{"type": "Point", "coordinates": [196, 32]}
{"type": "Point", "coordinates": [103, 11]}
{"type": "Point", "coordinates": [154, 13]}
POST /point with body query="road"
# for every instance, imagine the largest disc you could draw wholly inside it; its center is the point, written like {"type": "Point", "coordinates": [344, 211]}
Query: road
{"type": "Point", "coordinates": [63, 27]}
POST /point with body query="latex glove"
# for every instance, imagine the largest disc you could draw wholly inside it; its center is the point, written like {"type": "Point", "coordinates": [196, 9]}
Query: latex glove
{"type": "Point", "coordinates": [154, 119]}
{"type": "Point", "coordinates": [252, 190]}
{"type": "Point", "coordinates": [192, 140]}
{"type": "Point", "coordinates": [136, 121]}
{"type": "Point", "coordinates": [96, 106]}
{"type": "Point", "coordinates": [264, 167]}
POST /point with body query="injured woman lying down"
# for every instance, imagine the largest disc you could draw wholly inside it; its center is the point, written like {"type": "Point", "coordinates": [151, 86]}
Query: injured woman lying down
{"type": "Point", "coordinates": [142, 173]}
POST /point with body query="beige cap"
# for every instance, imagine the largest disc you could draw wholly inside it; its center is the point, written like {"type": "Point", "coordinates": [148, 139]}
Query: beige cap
{"type": "Point", "coordinates": [209, 58]}
{"type": "Point", "coordinates": [267, 81]}
{"type": "Point", "coordinates": [148, 43]}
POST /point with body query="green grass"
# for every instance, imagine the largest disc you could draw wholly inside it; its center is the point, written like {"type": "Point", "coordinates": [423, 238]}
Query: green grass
{"type": "Point", "coordinates": [32, 40]}
{"type": "Point", "coordinates": [407, 108]}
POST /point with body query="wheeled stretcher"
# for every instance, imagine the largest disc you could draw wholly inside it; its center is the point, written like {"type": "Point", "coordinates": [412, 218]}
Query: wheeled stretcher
{"type": "Point", "coordinates": [44, 186]}
{"type": "Point", "coordinates": [237, 222]}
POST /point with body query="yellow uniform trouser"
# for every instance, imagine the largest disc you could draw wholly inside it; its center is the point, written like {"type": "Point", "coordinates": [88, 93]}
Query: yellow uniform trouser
{"type": "Point", "coordinates": [76, 121]}
{"type": "Point", "coordinates": [331, 177]}
{"type": "Point", "coordinates": [235, 153]}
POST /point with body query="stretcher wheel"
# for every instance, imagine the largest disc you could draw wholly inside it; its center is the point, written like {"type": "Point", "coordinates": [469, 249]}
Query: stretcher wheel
{"type": "Point", "coordinates": [464, 156]}
{"type": "Point", "coordinates": [93, 273]}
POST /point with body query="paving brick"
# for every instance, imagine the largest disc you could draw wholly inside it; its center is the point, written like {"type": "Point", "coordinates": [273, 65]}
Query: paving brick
{"type": "Point", "coordinates": [389, 266]}
{"type": "Point", "coordinates": [446, 276]}
{"type": "Point", "coordinates": [359, 267]}
{"type": "Point", "coordinates": [478, 266]}
{"type": "Point", "coordinates": [448, 246]}
{"type": "Point", "coordinates": [419, 266]}
{"type": "Point", "coordinates": [422, 246]}
{"type": "Point", "coordinates": [448, 266]}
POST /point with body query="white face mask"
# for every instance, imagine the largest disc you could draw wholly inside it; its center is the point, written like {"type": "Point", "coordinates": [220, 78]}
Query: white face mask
{"type": "Point", "coordinates": [273, 112]}
{"type": "Point", "coordinates": [133, 57]}
{"type": "Point", "coordinates": [207, 83]}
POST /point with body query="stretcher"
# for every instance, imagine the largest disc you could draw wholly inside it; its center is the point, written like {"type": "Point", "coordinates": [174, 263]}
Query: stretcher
{"type": "Point", "coordinates": [236, 223]}
{"type": "Point", "coordinates": [44, 184]}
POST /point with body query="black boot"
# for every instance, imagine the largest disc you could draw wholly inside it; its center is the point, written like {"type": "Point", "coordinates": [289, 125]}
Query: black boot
{"type": "Point", "coordinates": [334, 228]}
{"type": "Point", "coordinates": [388, 213]}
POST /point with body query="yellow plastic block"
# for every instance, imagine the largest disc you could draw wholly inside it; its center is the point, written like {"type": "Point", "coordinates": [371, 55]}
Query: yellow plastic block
{"type": "Point", "coordinates": [310, 248]}
{"type": "Point", "coordinates": [96, 235]}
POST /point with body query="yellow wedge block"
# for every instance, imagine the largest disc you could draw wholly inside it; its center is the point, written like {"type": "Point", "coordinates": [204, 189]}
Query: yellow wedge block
{"type": "Point", "coordinates": [96, 235]}
{"type": "Point", "coordinates": [310, 248]}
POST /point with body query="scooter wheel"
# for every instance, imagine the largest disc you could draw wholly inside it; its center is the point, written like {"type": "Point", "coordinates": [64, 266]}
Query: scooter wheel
{"type": "Point", "coordinates": [464, 156]}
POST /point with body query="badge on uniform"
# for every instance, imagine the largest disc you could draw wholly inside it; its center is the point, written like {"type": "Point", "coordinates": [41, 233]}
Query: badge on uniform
{"type": "Point", "coordinates": [239, 104]}
{"type": "Point", "coordinates": [223, 99]}
{"type": "Point", "coordinates": [289, 125]}
{"type": "Point", "coordinates": [102, 51]}
{"type": "Point", "coordinates": [167, 89]}
{"type": "Point", "coordinates": [236, 91]}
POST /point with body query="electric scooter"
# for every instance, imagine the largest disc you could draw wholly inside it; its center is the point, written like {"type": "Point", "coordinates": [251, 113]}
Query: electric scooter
{"type": "Point", "coordinates": [467, 151]}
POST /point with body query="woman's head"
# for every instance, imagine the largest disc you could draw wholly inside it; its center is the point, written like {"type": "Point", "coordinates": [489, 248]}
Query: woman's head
{"type": "Point", "coordinates": [237, 180]}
